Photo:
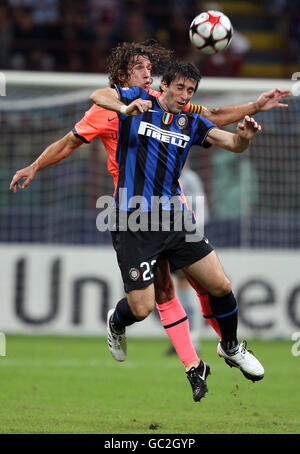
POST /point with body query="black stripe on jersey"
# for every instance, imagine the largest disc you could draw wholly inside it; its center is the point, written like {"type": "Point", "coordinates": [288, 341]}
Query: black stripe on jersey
{"type": "Point", "coordinates": [162, 157]}
{"type": "Point", "coordinates": [174, 187]}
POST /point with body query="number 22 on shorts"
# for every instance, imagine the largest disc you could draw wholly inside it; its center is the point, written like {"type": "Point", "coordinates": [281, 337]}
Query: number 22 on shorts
{"type": "Point", "coordinates": [147, 272]}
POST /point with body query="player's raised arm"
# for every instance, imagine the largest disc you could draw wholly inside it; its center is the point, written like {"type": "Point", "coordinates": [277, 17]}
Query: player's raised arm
{"type": "Point", "coordinates": [108, 99]}
{"type": "Point", "coordinates": [237, 143]}
{"type": "Point", "coordinates": [225, 115]}
{"type": "Point", "coordinates": [52, 154]}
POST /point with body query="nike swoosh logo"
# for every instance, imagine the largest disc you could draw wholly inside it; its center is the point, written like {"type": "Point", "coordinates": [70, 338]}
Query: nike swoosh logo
{"type": "Point", "coordinates": [111, 119]}
{"type": "Point", "coordinates": [151, 110]}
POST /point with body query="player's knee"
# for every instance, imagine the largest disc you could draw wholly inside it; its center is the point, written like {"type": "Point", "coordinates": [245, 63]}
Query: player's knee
{"type": "Point", "coordinates": [141, 311]}
{"type": "Point", "coordinates": [221, 288]}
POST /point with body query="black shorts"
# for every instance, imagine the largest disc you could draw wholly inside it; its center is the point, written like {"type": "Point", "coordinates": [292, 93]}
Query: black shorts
{"type": "Point", "coordinates": [138, 254]}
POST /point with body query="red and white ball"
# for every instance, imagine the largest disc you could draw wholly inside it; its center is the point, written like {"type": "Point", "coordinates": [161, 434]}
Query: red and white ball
{"type": "Point", "coordinates": [211, 32]}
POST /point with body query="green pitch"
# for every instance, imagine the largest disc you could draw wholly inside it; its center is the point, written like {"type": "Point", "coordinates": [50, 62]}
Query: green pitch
{"type": "Point", "coordinates": [56, 385]}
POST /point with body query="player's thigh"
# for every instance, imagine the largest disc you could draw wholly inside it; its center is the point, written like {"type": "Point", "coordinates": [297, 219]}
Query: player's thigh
{"type": "Point", "coordinates": [142, 301]}
{"type": "Point", "coordinates": [163, 283]}
{"type": "Point", "coordinates": [209, 273]}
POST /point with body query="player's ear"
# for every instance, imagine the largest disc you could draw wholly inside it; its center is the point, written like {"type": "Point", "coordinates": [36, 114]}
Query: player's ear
{"type": "Point", "coordinates": [121, 75]}
{"type": "Point", "coordinates": [163, 86]}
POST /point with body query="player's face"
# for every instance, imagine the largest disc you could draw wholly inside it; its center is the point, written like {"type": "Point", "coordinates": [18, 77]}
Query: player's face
{"type": "Point", "coordinates": [139, 73]}
{"type": "Point", "coordinates": [176, 95]}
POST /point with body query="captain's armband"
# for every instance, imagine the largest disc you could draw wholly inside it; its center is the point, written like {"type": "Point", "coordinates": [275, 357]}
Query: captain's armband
{"type": "Point", "coordinates": [195, 108]}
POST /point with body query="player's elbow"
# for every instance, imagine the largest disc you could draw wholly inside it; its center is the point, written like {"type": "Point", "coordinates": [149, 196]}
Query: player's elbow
{"type": "Point", "coordinates": [215, 115]}
{"type": "Point", "coordinates": [101, 95]}
{"type": "Point", "coordinates": [97, 96]}
{"type": "Point", "coordinates": [68, 144]}
{"type": "Point", "coordinates": [94, 96]}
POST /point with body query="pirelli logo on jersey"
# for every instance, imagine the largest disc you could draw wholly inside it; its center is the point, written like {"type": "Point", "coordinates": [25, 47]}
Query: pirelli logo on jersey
{"type": "Point", "coordinates": [174, 138]}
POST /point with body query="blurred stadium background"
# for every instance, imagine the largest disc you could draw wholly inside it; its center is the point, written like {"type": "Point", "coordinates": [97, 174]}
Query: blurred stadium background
{"type": "Point", "coordinates": [58, 273]}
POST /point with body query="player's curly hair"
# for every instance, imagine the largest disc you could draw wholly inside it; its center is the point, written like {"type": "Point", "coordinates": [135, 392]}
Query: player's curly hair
{"type": "Point", "coordinates": [123, 54]}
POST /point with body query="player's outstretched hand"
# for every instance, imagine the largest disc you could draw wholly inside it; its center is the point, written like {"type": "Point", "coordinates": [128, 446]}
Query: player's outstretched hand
{"type": "Point", "coordinates": [247, 128]}
{"type": "Point", "coordinates": [28, 174]}
{"type": "Point", "coordinates": [138, 106]}
{"type": "Point", "coordinates": [271, 99]}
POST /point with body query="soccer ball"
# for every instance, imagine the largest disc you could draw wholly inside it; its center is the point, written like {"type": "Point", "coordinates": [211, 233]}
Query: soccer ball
{"type": "Point", "coordinates": [211, 32]}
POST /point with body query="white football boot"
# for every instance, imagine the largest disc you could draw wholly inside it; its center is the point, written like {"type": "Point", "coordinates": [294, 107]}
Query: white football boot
{"type": "Point", "coordinates": [116, 340]}
{"type": "Point", "coordinates": [244, 360]}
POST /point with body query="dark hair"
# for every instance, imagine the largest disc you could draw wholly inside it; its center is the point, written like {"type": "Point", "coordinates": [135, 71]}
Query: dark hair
{"type": "Point", "coordinates": [124, 53]}
{"type": "Point", "coordinates": [181, 69]}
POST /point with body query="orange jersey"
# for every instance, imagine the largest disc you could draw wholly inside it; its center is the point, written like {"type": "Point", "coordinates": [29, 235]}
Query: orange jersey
{"type": "Point", "coordinates": [99, 122]}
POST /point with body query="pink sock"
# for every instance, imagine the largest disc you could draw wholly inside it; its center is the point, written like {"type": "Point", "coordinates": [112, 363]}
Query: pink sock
{"type": "Point", "coordinates": [205, 307]}
{"type": "Point", "coordinates": [176, 324]}
{"type": "Point", "coordinates": [207, 313]}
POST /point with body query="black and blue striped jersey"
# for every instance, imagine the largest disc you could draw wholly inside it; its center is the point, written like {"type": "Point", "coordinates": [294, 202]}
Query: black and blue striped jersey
{"type": "Point", "coordinates": [152, 149]}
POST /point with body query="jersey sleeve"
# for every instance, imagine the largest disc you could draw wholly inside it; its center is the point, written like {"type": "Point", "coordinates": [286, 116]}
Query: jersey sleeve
{"type": "Point", "coordinates": [203, 128]}
{"type": "Point", "coordinates": [90, 125]}
{"type": "Point", "coordinates": [127, 95]}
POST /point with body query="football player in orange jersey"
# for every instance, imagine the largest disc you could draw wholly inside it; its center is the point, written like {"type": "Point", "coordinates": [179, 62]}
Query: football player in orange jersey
{"type": "Point", "coordinates": [133, 64]}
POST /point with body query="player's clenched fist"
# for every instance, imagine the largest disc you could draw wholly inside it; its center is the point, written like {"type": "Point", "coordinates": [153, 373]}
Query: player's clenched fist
{"type": "Point", "coordinates": [247, 128]}
{"type": "Point", "coordinates": [137, 107]}
{"type": "Point", "coordinates": [28, 174]}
